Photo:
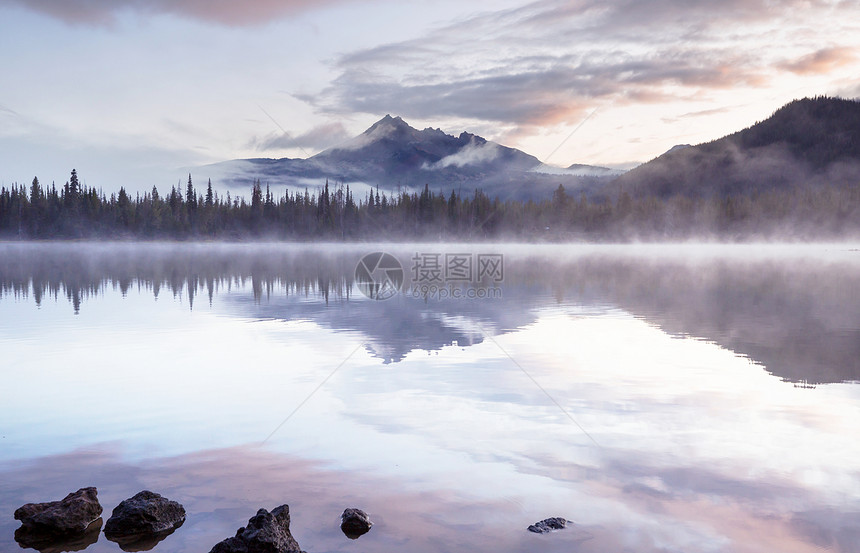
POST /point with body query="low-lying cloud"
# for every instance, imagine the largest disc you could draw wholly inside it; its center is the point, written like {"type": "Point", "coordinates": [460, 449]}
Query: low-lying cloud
{"type": "Point", "coordinates": [474, 153]}
{"type": "Point", "coordinates": [318, 138]}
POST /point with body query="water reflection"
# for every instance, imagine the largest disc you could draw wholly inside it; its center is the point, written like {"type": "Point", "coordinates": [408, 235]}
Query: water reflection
{"type": "Point", "coordinates": [142, 542]}
{"type": "Point", "coordinates": [28, 539]}
{"type": "Point", "coordinates": [798, 317]}
{"type": "Point", "coordinates": [449, 448]}
{"type": "Point", "coordinates": [221, 489]}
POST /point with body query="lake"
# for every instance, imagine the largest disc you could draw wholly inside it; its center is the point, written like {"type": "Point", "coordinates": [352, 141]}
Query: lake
{"type": "Point", "coordinates": [664, 398]}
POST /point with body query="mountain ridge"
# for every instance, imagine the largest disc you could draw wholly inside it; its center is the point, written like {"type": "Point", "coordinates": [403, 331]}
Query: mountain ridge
{"type": "Point", "coordinates": [805, 143]}
{"type": "Point", "coordinates": [393, 155]}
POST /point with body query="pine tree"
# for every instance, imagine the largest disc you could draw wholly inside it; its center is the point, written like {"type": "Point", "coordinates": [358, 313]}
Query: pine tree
{"type": "Point", "coordinates": [190, 196]}
{"type": "Point", "coordinates": [424, 205]}
{"type": "Point", "coordinates": [256, 205]}
{"type": "Point", "coordinates": [560, 199]}
{"type": "Point", "coordinates": [74, 185]}
{"type": "Point", "coordinates": [124, 208]}
{"type": "Point", "coordinates": [453, 209]}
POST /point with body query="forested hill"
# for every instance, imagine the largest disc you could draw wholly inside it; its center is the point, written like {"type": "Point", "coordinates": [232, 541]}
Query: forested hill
{"type": "Point", "coordinates": [803, 145]}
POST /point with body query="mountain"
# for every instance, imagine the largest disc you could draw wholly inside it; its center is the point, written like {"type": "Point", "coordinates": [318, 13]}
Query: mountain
{"type": "Point", "coordinates": [805, 143]}
{"type": "Point", "coordinates": [391, 154]}
{"type": "Point", "coordinates": [392, 150]}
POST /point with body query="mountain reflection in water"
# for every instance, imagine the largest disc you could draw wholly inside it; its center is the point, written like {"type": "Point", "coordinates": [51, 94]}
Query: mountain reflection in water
{"type": "Point", "coordinates": [798, 317]}
{"type": "Point", "coordinates": [622, 387]}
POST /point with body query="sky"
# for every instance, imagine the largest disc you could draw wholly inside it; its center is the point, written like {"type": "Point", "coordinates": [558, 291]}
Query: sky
{"type": "Point", "coordinates": [136, 93]}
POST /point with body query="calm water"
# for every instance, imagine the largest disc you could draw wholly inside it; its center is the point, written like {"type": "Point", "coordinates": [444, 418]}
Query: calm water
{"type": "Point", "coordinates": [664, 398]}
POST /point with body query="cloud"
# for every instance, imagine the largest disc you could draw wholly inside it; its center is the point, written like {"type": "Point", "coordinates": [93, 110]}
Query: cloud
{"type": "Point", "coordinates": [537, 95]}
{"type": "Point", "coordinates": [700, 113]}
{"type": "Point", "coordinates": [850, 90]}
{"type": "Point", "coordinates": [318, 138]}
{"type": "Point", "coordinates": [577, 170]}
{"type": "Point", "coordinates": [6, 111]}
{"type": "Point", "coordinates": [685, 18]}
{"type": "Point", "coordinates": [473, 153]}
{"type": "Point", "coordinates": [822, 61]}
{"type": "Point", "coordinates": [225, 12]}
{"type": "Point", "coordinates": [549, 62]}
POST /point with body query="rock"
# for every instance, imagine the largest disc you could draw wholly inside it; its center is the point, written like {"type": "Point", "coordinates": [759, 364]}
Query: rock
{"type": "Point", "coordinates": [266, 533]}
{"type": "Point", "coordinates": [355, 523]}
{"type": "Point", "coordinates": [52, 543]}
{"type": "Point", "coordinates": [146, 513]}
{"type": "Point", "coordinates": [548, 525]}
{"type": "Point", "coordinates": [70, 516]}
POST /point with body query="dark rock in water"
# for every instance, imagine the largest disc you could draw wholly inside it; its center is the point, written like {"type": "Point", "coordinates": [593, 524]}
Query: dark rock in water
{"type": "Point", "coordinates": [355, 523]}
{"type": "Point", "coordinates": [70, 516]}
{"type": "Point", "coordinates": [146, 513]}
{"type": "Point", "coordinates": [140, 522]}
{"type": "Point", "coordinates": [52, 543]}
{"type": "Point", "coordinates": [548, 525]}
{"type": "Point", "coordinates": [266, 533]}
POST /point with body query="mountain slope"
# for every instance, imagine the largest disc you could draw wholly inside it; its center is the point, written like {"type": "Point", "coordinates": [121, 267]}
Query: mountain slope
{"type": "Point", "coordinates": [391, 154]}
{"type": "Point", "coordinates": [391, 149]}
{"type": "Point", "coordinates": [804, 143]}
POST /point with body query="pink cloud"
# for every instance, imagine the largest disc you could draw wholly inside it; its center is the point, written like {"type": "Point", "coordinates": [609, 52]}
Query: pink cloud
{"type": "Point", "coordinates": [225, 12]}
{"type": "Point", "coordinates": [822, 61]}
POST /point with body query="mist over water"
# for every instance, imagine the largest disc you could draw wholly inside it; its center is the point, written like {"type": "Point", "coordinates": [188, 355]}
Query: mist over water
{"type": "Point", "coordinates": [663, 397]}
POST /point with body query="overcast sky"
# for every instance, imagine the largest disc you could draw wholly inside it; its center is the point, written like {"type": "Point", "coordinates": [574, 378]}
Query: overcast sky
{"type": "Point", "coordinates": [132, 92]}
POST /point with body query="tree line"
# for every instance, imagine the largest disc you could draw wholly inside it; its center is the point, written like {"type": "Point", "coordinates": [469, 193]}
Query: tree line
{"type": "Point", "coordinates": [75, 210]}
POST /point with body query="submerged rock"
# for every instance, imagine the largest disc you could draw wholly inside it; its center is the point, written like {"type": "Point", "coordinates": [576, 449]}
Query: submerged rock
{"type": "Point", "coordinates": [70, 516]}
{"type": "Point", "coordinates": [145, 513]}
{"type": "Point", "coordinates": [548, 525]}
{"type": "Point", "coordinates": [266, 533]}
{"type": "Point", "coordinates": [355, 523]}
{"type": "Point", "coordinates": [53, 543]}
